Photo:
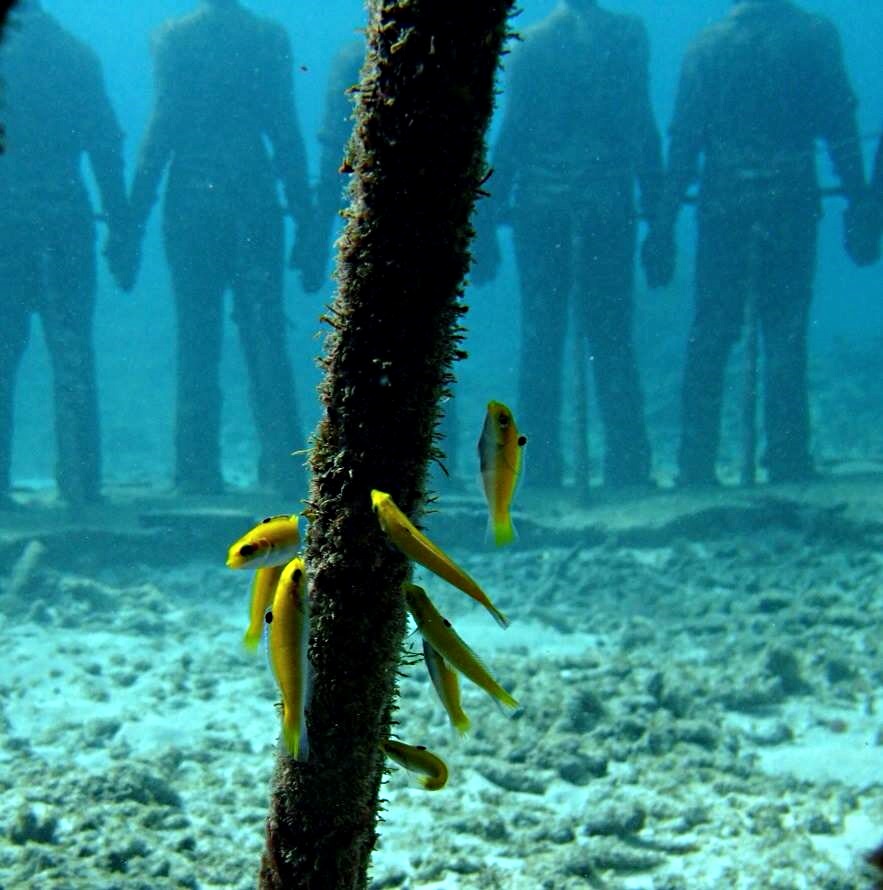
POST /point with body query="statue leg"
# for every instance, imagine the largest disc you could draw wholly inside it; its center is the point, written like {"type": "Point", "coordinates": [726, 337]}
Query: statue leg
{"type": "Point", "coordinates": [721, 288]}
{"type": "Point", "coordinates": [543, 251]}
{"type": "Point", "coordinates": [19, 282]}
{"type": "Point", "coordinates": [67, 310]}
{"type": "Point", "coordinates": [259, 314]}
{"type": "Point", "coordinates": [198, 247]}
{"type": "Point", "coordinates": [605, 282]}
{"type": "Point", "coordinates": [784, 298]}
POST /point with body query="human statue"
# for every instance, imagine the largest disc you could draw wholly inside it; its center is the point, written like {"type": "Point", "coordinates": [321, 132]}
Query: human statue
{"type": "Point", "coordinates": [56, 109]}
{"type": "Point", "coordinates": [757, 90]}
{"type": "Point", "coordinates": [578, 134]}
{"type": "Point", "coordinates": [224, 123]}
{"type": "Point", "coordinates": [877, 198]}
{"type": "Point", "coordinates": [337, 126]}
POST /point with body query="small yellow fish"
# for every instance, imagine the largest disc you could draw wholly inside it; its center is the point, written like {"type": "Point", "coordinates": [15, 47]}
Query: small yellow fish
{"type": "Point", "coordinates": [499, 454]}
{"type": "Point", "coordinates": [289, 635]}
{"type": "Point", "coordinates": [415, 545]}
{"type": "Point", "coordinates": [447, 686]}
{"type": "Point", "coordinates": [444, 639]}
{"type": "Point", "coordinates": [418, 760]}
{"type": "Point", "coordinates": [263, 586]}
{"type": "Point", "coordinates": [272, 542]}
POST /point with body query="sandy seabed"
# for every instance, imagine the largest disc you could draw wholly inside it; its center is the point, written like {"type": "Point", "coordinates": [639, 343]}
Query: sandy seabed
{"type": "Point", "coordinates": [696, 714]}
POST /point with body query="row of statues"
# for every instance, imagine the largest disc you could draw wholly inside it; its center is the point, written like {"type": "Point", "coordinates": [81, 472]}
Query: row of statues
{"type": "Point", "coordinates": [758, 90]}
{"type": "Point", "coordinates": [224, 134]}
{"type": "Point", "coordinates": [579, 138]}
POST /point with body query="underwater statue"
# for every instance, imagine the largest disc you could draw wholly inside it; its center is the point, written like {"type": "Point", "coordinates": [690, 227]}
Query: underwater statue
{"type": "Point", "coordinates": [223, 89]}
{"type": "Point", "coordinates": [56, 109]}
{"type": "Point", "coordinates": [424, 103]}
{"type": "Point", "coordinates": [877, 201]}
{"type": "Point", "coordinates": [578, 133]}
{"type": "Point", "coordinates": [6, 6]}
{"type": "Point", "coordinates": [757, 90]}
{"type": "Point", "coordinates": [337, 125]}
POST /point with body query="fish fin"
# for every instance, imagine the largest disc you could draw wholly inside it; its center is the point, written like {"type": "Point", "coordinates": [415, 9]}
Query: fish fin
{"type": "Point", "coordinates": [501, 531]}
{"type": "Point", "coordinates": [462, 726]}
{"type": "Point", "coordinates": [507, 704]}
{"type": "Point", "coordinates": [294, 726]}
{"type": "Point", "coordinates": [499, 617]}
{"type": "Point", "coordinates": [291, 737]}
{"type": "Point", "coordinates": [509, 701]}
{"type": "Point", "coordinates": [251, 641]}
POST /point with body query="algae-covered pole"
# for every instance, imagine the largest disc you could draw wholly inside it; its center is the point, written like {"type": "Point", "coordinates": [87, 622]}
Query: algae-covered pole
{"type": "Point", "coordinates": [425, 100]}
{"type": "Point", "coordinates": [5, 7]}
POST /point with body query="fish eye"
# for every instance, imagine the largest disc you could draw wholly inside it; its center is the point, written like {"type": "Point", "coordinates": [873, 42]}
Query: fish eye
{"type": "Point", "coordinates": [296, 575]}
{"type": "Point", "coordinates": [247, 549]}
{"type": "Point", "coordinates": [268, 617]}
{"type": "Point", "coordinates": [266, 520]}
{"type": "Point", "coordinates": [522, 441]}
{"type": "Point", "coordinates": [504, 420]}
{"type": "Point", "coordinates": [420, 747]}
{"type": "Point", "coordinates": [446, 622]}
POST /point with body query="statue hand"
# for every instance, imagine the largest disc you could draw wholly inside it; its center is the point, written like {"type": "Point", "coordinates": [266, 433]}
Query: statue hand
{"type": "Point", "coordinates": [658, 256]}
{"type": "Point", "coordinates": [311, 259]}
{"type": "Point", "coordinates": [122, 250]}
{"type": "Point", "coordinates": [862, 225]}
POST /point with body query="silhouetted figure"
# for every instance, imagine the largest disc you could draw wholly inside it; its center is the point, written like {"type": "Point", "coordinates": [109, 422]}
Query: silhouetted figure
{"type": "Point", "coordinates": [55, 109]}
{"type": "Point", "coordinates": [757, 90]}
{"type": "Point", "coordinates": [337, 126]}
{"type": "Point", "coordinates": [577, 134]}
{"type": "Point", "coordinates": [876, 209]}
{"type": "Point", "coordinates": [5, 7]}
{"type": "Point", "coordinates": [223, 81]}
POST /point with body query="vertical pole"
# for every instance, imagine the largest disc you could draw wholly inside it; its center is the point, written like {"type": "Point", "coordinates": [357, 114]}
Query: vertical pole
{"type": "Point", "coordinates": [425, 99]}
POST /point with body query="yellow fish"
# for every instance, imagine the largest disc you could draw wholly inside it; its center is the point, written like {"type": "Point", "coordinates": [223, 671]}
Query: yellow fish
{"type": "Point", "coordinates": [289, 635]}
{"type": "Point", "coordinates": [499, 454]}
{"type": "Point", "coordinates": [415, 545]}
{"type": "Point", "coordinates": [443, 638]}
{"type": "Point", "coordinates": [263, 586]}
{"type": "Point", "coordinates": [418, 760]}
{"type": "Point", "coordinates": [447, 686]}
{"type": "Point", "coordinates": [272, 542]}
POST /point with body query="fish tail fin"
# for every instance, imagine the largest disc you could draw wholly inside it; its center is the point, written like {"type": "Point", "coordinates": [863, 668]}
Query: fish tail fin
{"type": "Point", "coordinates": [251, 640]}
{"type": "Point", "coordinates": [291, 733]}
{"type": "Point", "coordinates": [502, 531]}
{"type": "Point", "coordinates": [508, 701]}
{"type": "Point", "coordinates": [506, 704]}
{"type": "Point", "coordinates": [436, 781]}
{"type": "Point", "coordinates": [499, 617]}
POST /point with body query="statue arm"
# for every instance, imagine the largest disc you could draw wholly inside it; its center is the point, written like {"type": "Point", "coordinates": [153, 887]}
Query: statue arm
{"type": "Point", "coordinates": [511, 138]}
{"type": "Point", "coordinates": [877, 178]}
{"type": "Point", "coordinates": [836, 104]}
{"type": "Point", "coordinates": [686, 137]}
{"type": "Point", "coordinates": [337, 126]}
{"type": "Point", "coordinates": [103, 142]}
{"type": "Point", "coordinates": [156, 148]}
{"type": "Point", "coordinates": [649, 143]}
{"type": "Point", "coordinates": [281, 127]}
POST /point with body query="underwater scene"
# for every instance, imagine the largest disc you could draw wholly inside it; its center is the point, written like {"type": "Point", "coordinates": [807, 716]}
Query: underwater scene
{"type": "Point", "coordinates": [441, 445]}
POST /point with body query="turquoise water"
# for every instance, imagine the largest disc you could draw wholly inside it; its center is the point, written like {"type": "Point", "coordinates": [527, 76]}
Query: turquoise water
{"type": "Point", "coordinates": [698, 671]}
